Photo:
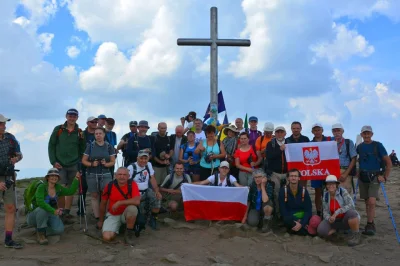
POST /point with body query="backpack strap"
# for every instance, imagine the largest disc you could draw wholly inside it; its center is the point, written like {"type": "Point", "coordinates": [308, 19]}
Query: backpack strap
{"type": "Point", "coordinates": [216, 179]}
{"type": "Point", "coordinates": [170, 181]}
{"type": "Point", "coordinates": [303, 193]}
{"type": "Point", "coordinates": [109, 187]}
{"type": "Point", "coordinates": [228, 180]}
{"type": "Point", "coordinates": [261, 141]}
{"type": "Point", "coordinates": [347, 143]}
{"type": "Point", "coordinates": [286, 197]}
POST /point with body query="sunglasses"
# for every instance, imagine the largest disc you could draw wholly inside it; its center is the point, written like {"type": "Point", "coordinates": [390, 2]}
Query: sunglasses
{"type": "Point", "coordinates": [93, 122]}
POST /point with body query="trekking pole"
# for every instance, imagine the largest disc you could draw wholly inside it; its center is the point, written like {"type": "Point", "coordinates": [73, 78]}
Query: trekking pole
{"type": "Point", "coordinates": [83, 207]}
{"type": "Point", "coordinates": [355, 193]}
{"type": "Point", "coordinates": [16, 200]}
{"type": "Point", "coordinates": [390, 212]}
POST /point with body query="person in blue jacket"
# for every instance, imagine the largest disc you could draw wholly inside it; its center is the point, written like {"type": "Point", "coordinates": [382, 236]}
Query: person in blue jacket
{"type": "Point", "coordinates": [295, 205]}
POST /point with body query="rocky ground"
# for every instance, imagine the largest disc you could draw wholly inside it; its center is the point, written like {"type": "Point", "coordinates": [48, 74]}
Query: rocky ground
{"type": "Point", "coordinates": [202, 243]}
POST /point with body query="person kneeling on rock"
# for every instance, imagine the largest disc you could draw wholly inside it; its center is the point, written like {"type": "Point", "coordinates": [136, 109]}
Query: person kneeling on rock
{"type": "Point", "coordinates": [339, 212]}
{"type": "Point", "coordinates": [260, 202]}
{"type": "Point", "coordinates": [46, 213]}
{"type": "Point", "coordinates": [122, 197]}
{"type": "Point", "coordinates": [295, 207]}
{"type": "Point", "coordinates": [171, 187]}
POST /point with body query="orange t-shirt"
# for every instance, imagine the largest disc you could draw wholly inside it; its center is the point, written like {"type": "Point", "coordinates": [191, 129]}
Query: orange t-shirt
{"type": "Point", "coordinates": [116, 195]}
{"type": "Point", "coordinates": [244, 157]}
{"type": "Point", "coordinates": [262, 146]}
{"type": "Point", "coordinates": [334, 206]}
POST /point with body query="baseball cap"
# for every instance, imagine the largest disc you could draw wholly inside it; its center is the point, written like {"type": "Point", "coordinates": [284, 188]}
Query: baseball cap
{"type": "Point", "coordinates": [366, 128]}
{"type": "Point", "coordinates": [280, 128]}
{"type": "Point", "coordinates": [269, 127]}
{"type": "Point", "coordinates": [337, 126]}
{"type": "Point", "coordinates": [72, 111]}
{"type": "Point", "coordinates": [91, 118]}
{"type": "Point", "coordinates": [143, 153]}
{"type": "Point", "coordinates": [224, 164]}
{"type": "Point", "coordinates": [133, 123]}
{"type": "Point", "coordinates": [253, 118]}
{"type": "Point", "coordinates": [317, 125]}
{"type": "Point", "coordinates": [102, 117]}
{"type": "Point", "coordinates": [4, 119]}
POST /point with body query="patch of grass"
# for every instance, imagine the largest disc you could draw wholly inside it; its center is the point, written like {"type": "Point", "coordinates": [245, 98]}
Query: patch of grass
{"type": "Point", "coordinates": [24, 183]}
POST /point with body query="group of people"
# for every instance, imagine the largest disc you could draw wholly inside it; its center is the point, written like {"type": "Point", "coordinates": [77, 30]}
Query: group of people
{"type": "Point", "coordinates": [155, 166]}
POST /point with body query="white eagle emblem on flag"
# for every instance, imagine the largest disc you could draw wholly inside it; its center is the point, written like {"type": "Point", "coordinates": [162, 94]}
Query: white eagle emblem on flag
{"type": "Point", "coordinates": [311, 155]}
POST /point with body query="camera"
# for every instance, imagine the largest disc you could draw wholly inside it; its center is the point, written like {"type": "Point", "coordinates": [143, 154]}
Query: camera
{"type": "Point", "coordinates": [190, 153]}
{"type": "Point", "coordinates": [207, 158]}
{"type": "Point", "coordinates": [9, 182]}
{"type": "Point", "coordinates": [53, 203]}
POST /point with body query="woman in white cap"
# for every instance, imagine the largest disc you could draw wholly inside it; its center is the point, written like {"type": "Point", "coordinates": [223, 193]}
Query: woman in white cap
{"type": "Point", "coordinates": [46, 212]}
{"type": "Point", "coordinates": [339, 212]}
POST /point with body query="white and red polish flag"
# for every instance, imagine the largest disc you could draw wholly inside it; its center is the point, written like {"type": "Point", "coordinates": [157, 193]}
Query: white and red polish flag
{"type": "Point", "coordinates": [214, 203]}
{"type": "Point", "coordinates": [315, 160]}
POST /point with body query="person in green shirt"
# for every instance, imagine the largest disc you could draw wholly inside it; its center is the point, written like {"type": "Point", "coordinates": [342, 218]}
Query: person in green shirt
{"type": "Point", "coordinates": [46, 213]}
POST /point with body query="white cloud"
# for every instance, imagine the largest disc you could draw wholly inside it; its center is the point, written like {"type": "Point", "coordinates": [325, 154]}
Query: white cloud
{"type": "Point", "coordinates": [347, 43]}
{"type": "Point", "coordinates": [253, 59]}
{"type": "Point", "coordinates": [45, 40]}
{"type": "Point", "coordinates": [203, 66]}
{"type": "Point", "coordinates": [72, 51]}
{"type": "Point", "coordinates": [119, 21]}
{"type": "Point", "coordinates": [22, 21]}
{"type": "Point", "coordinates": [362, 9]}
{"type": "Point", "coordinates": [155, 57]}
{"type": "Point", "coordinates": [40, 11]}
{"type": "Point", "coordinates": [16, 128]}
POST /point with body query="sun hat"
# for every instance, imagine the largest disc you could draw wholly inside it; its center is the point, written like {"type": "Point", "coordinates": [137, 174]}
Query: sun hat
{"type": "Point", "coordinates": [331, 179]}
{"type": "Point", "coordinates": [231, 128]}
{"type": "Point", "coordinates": [366, 128]}
{"type": "Point", "coordinates": [337, 126]}
{"type": "Point", "coordinates": [269, 127]}
{"type": "Point", "coordinates": [53, 171]}
{"type": "Point", "coordinates": [144, 123]}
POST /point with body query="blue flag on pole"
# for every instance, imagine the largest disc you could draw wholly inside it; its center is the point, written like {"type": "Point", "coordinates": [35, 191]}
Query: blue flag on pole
{"type": "Point", "coordinates": [225, 119]}
{"type": "Point", "coordinates": [221, 106]}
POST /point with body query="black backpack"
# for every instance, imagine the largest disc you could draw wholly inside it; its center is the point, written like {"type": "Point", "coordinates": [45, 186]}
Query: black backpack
{"type": "Point", "coordinates": [140, 223]}
{"type": "Point", "coordinates": [170, 181]}
{"type": "Point", "coordinates": [363, 154]}
{"type": "Point", "coordinates": [132, 146]}
{"type": "Point", "coordinates": [228, 180]}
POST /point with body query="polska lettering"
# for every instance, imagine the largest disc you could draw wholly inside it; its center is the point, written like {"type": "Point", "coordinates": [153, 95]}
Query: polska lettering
{"type": "Point", "coordinates": [315, 172]}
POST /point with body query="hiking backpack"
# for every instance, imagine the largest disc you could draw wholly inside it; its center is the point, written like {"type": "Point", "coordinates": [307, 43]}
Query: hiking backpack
{"type": "Point", "coordinates": [326, 197]}
{"type": "Point", "coordinates": [228, 180]}
{"type": "Point", "coordinates": [133, 145]}
{"type": "Point", "coordinates": [170, 181]}
{"type": "Point", "coordinates": [140, 223]}
{"type": "Point", "coordinates": [62, 128]}
{"type": "Point", "coordinates": [303, 193]}
{"type": "Point", "coordinates": [29, 195]}
{"type": "Point", "coordinates": [363, 154]}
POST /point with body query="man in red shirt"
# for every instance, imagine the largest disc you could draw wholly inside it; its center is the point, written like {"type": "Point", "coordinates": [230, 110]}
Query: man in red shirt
{"type": "Point", "coordinates": [123, 199]}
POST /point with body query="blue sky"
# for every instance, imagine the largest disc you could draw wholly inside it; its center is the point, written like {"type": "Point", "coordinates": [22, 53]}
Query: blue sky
{"type": "Point", "coordinates": [312, 61]}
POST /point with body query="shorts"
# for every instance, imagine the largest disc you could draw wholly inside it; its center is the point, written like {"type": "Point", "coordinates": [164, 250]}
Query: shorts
{"type": "Point", "coordinates": [112, 223]}
{"type": "Point", "coordinates": [97, 184]}
{"type": "Point", "coordinates": [192, 170]}
{"type": "Point", "coordinates": [317, 183]}
{"type": "Point", "coordinates": [340, 224]}
{"type": "Point", "coordinates": [245, 178]}
{"type": "Point", "coordinates": [369, 190]}
{"type": "Point", "coordinates": [67, 174]}
{"type": "Point", "coordinates": [167, 198]}
{"type": "Point", "coordinates": [348, 184]}
{"type": "Point", "coordinates": [160, 173]}
{"type": "Point", "coordinates": [9, 194]}
{"type": "Point", "coordinates": [151, 197]}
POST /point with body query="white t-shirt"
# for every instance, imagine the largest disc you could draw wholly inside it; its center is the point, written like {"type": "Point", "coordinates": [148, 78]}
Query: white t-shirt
{"type": "Point", "coordinates": [189, 125]}
{"type": "Point", "coordinates": [200, 136]}
{"type": "Point", "coordinates": [231, 178]}
{"type": "Point", "coordinates": [142, 177]}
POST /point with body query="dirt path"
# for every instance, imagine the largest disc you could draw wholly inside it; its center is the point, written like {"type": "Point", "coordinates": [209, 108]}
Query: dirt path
{"type": "Point", "coordinates": [199, 243]}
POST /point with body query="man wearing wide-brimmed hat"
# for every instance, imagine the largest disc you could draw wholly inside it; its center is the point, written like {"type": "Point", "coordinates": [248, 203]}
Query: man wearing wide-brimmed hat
{"type": "Point", "coordinates": [10, 154]}
{"type": "Point", "coordinates": [139, 141]}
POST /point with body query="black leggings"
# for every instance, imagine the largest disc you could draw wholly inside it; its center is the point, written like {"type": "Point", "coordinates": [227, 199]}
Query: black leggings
{"type": "Point", "coordinates": [206, 173]}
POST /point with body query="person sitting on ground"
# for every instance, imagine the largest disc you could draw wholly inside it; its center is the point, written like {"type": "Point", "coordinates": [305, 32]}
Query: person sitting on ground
{"type": "Point", "coordinates": [260, 203]}
{"type": "Point", "coordinates": [222, 179]}
{"type": "Point", "coordinates": [98, 158]}
{"type": "Point", "coordinates": [339, 212]}
{"type": "Point", "coordinates": [171, 187]}
{"type": "Point", "coordinates": [296, 208]}
{"type": "Point", "coordinates": [143, 174]}
{"type": "Point", "coordinates": [46, 212]}
{"type": "Point", "coordinates": [122, 199]}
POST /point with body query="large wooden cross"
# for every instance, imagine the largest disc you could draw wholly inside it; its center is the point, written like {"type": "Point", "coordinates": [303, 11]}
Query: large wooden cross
{"type": "Point", "coordinates": [213, 42]}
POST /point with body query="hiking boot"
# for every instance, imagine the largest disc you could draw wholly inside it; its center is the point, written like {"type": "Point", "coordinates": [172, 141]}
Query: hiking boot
{"type": "Point", "coordinates": [369, 229]}
{"type": "Point", "coordinates": [355, 239]}
{"type": "Point", "coordinates": [67, 219]}
{"type": "Point", "coordinates": [41, 238]}
{"type": "Point", "coordinates": [128, 237]}
{"type": "Point", "coordinates": [153, 223]}
{"type": "Point", "coordinates": [267, 226]}
{"type": "Point", "coordinates": [12, 244]}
